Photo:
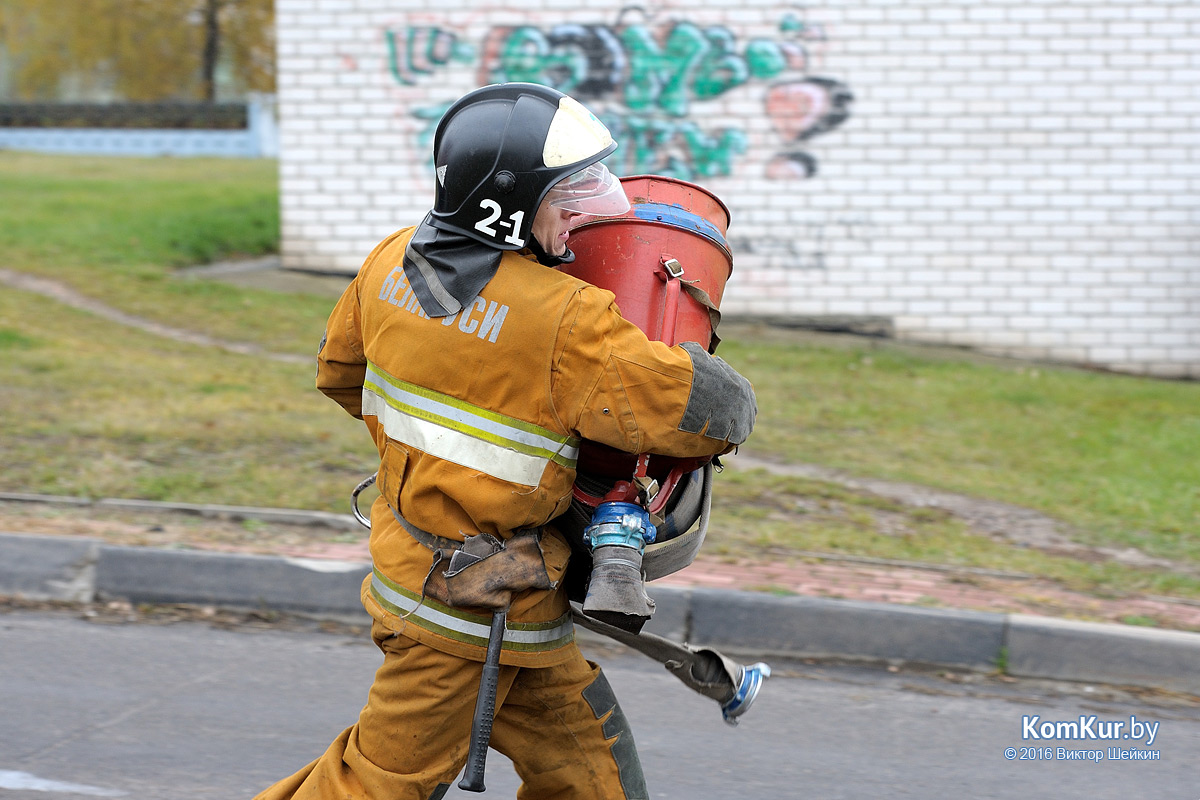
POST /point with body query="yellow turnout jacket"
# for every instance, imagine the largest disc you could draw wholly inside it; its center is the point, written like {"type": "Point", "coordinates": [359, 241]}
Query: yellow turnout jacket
{"type": "Point", "coordinates": [478, 419]}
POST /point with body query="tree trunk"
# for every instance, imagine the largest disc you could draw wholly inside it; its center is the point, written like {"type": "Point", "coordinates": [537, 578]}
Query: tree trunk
{"type": "Point", "coordinates": [212, 40]}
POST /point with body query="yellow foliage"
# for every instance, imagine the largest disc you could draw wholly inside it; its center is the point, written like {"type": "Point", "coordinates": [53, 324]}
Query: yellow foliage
{"type": "Point", "coordinates": [137, 50]}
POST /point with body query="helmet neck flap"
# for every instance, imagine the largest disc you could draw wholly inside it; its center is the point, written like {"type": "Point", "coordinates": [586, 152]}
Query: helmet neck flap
{"type": "Point", "coordinates": [446, 270]}
{"type": "Point", "coordinates": [497, 152]}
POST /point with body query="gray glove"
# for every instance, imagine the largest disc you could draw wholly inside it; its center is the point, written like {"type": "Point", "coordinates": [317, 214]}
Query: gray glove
{"type": "Point", "coordinates": [720, 398]}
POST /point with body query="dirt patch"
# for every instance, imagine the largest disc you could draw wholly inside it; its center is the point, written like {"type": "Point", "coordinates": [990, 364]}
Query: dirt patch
{"type": "Point", "coordinates": [177, 530]}
{"type": "Point", "coordinates": [68, 296]}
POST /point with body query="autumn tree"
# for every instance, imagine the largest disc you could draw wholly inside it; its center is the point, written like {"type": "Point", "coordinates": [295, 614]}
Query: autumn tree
{"type": "Point", "coordinates": [138, 50]}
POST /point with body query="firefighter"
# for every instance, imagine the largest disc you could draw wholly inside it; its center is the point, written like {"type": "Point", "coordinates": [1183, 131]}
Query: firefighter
{"type": "Point", "coordinates": [478, 368]}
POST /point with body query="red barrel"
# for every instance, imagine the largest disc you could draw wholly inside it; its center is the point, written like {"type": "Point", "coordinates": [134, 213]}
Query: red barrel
{"type": "Point", "coordinates": [667, 262]}
{"type": "Point", "coordinates": [666, 259]}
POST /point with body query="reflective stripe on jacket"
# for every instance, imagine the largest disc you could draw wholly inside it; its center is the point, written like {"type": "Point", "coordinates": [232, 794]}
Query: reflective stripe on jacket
{"type": "Point", "coordinates": [473, 437]}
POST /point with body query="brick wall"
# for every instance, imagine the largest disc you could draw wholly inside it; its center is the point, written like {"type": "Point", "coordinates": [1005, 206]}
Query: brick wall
{"type": "Point", "coordinates": [1018, 177]}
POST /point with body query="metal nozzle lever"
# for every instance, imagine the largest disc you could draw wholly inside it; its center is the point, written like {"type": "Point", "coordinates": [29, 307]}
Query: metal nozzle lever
{"type": "Point", "coordinates": [750, 681]}
{"type": "Point", "coordinates": [732, 685]}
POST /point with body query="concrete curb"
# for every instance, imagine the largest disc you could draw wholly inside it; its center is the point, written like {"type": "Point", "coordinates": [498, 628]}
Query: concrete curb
{"type": "Point", "coordinates": [813, 627]}
{"type": "Point", "coordinates": [208, 510]}
{"type": "Point", "coordinates": [83, 570]}
{"type": "Point", "coordinates": [307, 586]}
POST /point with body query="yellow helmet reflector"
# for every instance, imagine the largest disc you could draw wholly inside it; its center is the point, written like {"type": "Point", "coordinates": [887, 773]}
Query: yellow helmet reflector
{"type": "Point", "coordinates": [575, 134]}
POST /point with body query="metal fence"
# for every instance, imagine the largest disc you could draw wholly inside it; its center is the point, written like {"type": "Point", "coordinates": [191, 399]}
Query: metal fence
{"type": "Point", "coordinates": [238, 130]}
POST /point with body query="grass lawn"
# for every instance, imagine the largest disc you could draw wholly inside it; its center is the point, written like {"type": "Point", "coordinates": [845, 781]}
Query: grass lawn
{"type": "Point", "coordinates": [1115, 456]}
{"type": "Point", "coordinates": [117, 229]}
{"type": "Point", "coordinates": [94, 408]}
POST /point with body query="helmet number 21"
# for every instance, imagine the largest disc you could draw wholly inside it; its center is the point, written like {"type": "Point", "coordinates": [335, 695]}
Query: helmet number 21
{"type": "Point", "coordinates": [488, 223]}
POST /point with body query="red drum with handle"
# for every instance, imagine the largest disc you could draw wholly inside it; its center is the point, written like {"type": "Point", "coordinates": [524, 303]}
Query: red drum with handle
{"type": "Point", "coordinates": [667, 262]}
{"type": "Point", "coordinates": [666, 259]}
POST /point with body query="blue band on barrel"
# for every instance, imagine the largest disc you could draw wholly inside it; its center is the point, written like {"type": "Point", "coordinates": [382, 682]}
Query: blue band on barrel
{"type": "Point", "coordinates": [680, 218]}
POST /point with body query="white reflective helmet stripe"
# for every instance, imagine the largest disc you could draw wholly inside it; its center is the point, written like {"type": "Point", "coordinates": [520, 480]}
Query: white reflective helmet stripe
{"type": "Point", "coordinates": [465, 627]}
{"type": "Point", "coordinates": [575, 134]}
{"type": "Point", "coordinates": [503, 447]}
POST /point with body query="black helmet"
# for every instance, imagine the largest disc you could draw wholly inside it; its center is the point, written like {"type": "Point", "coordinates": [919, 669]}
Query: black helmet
{"type": "Point", "coordinates": [500, 149]}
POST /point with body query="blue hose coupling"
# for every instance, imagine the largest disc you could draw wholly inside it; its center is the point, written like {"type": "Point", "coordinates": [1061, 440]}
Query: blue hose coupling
{"type": "Point", "coordinates": [751, 681]}
{"type": "Point", "coordinates": [620, 524]}
{"type": "Point", "coordinates": [616, 592]}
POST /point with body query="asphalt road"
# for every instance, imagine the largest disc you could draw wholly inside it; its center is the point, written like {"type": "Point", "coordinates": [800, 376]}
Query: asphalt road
{"type": "Point", "coordinates": [188, 710]}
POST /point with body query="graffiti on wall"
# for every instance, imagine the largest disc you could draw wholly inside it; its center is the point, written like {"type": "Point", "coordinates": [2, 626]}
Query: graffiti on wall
{"type": "Point", "coordinates": [417, 52]}
{"type": "Point", "coordinates": [812, 240]}
{"type": "Point", "coordinates": [646, 81]}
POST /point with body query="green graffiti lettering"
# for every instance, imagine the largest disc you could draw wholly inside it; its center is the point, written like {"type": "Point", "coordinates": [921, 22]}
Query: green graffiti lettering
{"type": "Point", "coordinates": [528, 56]}
{"type": "Point", "coordinates": [791, 24]}
{"type": "Point", "coordinates": [645, 78]}
{"type": "Point", "coordinates": [713, 155]}
{"type": "Point", "coordinates": [394, 56]}
{"type": "Point", "coordinates": [521, 59]}
{"type": "Point", "coordinates": [692, 63]}
{"type": "Point", "coordinates": [679, 149]}
{"type": "Point", "coordinates": [662, 71]}
{"type": "Point", "coordinates": [765, 59]}
{"type": "Point", "coordinates": [659, 77]}
{"type": "Point", "coordinates": [721, 69]}
{"type": "Point", "coordinates": [650, 137]}
{"type": "Point", "coordinates": [423, 49]}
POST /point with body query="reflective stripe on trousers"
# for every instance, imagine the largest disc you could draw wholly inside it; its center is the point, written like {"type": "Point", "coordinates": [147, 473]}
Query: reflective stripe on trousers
{"type": "Point", "coordinates": [463, 626]}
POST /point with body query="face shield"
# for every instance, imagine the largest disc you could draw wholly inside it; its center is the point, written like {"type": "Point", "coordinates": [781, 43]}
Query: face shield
{"type": "Point", "coordinates": [592, 190]}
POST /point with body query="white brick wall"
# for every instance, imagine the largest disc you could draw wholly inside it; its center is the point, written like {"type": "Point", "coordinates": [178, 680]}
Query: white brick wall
{"type": "Point", "coordinates": [1019, 177]}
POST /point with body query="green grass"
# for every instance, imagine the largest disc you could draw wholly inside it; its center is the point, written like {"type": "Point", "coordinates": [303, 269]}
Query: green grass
{"type": "Point", "coordinates": [759, 512]}
{"type": "Point", "coordinates": [94, 408]}
{"type": "Point", "coordinates": [135, 214]}
{"type": "Point", "coordinates": [1115, 456]}
{"type": "Point", "coordinates": [89, 408]}
{"type": "Point", "coordinates": [118, 229]}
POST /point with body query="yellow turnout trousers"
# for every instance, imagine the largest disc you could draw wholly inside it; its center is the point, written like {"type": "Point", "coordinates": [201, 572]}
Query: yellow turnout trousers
{"type": "Point", "coordinates": [561, 726]}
